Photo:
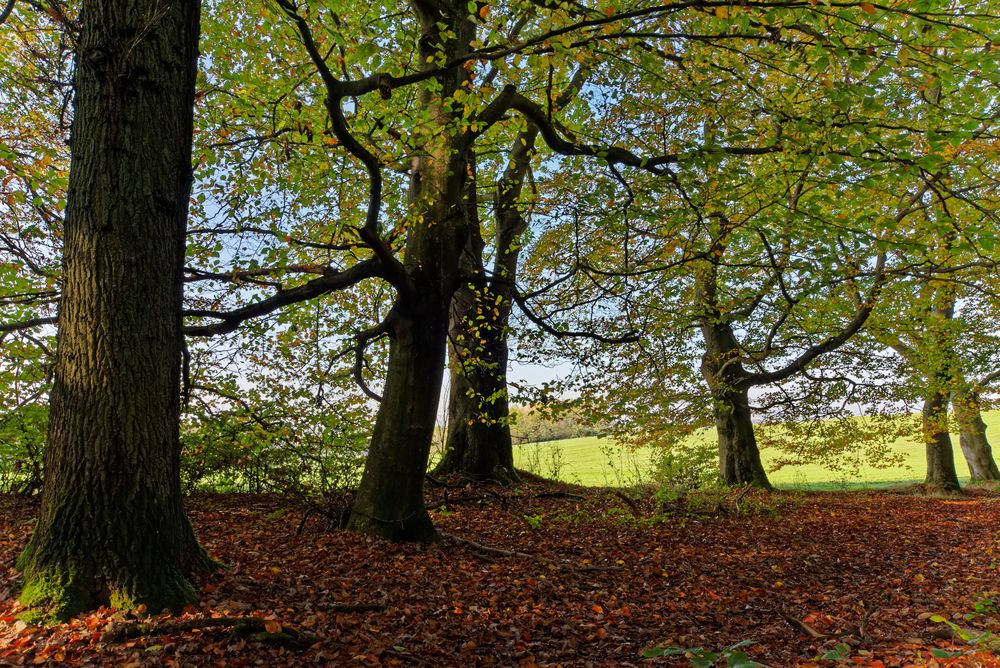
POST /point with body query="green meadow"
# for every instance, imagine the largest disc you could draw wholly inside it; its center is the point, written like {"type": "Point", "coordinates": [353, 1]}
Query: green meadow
{"type": "Point", "coordinates": [598, 462]}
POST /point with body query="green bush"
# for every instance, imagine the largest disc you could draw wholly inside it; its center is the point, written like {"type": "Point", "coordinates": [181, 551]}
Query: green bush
{"type": "Point", "coordinates": [22, 444]}
{"type": "Point", "coordinates": [684, 467]}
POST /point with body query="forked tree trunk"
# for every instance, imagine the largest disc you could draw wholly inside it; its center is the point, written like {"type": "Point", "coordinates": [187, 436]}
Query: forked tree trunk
{"type": "Point", "coordinates": [390, 499]}
{"type": "Point", "coordinates": [972, 436]}
{"type": "Point", "coordinates": [937, 442]}
{"type": "Point", "coordinates": [112, 529]}
{"type": "Point", "coordinates": [478, 442]}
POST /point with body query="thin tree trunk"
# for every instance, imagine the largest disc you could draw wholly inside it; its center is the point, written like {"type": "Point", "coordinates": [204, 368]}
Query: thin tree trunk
{"type": "Point", "coordinates": [972, 435]}
{"type": "Point", "coordinates": [112, 529]}
{"type": "Point", "coordinates": [390, 502]}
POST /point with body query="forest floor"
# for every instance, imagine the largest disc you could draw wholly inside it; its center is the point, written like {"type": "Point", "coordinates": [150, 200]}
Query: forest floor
{"type": "Point", "coordinates": [589, 578]}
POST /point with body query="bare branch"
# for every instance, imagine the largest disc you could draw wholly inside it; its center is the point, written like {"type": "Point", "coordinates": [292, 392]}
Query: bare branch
{"type": "Point", "coordinates": [331, 281]}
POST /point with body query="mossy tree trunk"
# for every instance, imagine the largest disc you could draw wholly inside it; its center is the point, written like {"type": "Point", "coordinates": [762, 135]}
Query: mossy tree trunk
{"type": "Point", "coordinates": [390, 499]}
{"type": "Point", "coordinates": [942, 369]}
{"type": "Point", "coordinates": [972, 434]}
{"type": "Point", "coordinates": [739, 456]}
{"type": "Point", "coordinates": [112, 528]}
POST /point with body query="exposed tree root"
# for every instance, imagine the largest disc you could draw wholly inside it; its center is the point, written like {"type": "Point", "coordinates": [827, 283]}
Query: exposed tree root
{"type": "Point", "coordinates": [523, 555]}
{"type": "Point", "coordinates": [636, 511]}
{"type": "Point", "coordinates": [265, 630]}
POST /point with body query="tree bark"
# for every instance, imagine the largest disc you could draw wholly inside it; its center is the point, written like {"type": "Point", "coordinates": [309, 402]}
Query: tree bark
{"type": "Point", "coordinates": [478, 442]}
{"type": "Point", "coordinates": [390, 502]}
{"type": "Point", "coordinates": [937, 441]}
{"type": "Point", "coordinates": [972, 435]}
{"type": "Point", "coordinates": [112, 528]}
{"type": "Point", "coordinates": [942, 372]}
{"type": "Point", "coordinates": [739, 456]}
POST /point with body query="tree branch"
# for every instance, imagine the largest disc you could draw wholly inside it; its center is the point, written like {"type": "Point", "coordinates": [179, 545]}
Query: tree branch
{"type": "Point", "coordinates": [329, 282]}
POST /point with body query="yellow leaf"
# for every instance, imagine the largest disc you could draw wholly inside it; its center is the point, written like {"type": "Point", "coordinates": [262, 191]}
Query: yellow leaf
{"type": "Point", "coordinates": [722, 12]}
{"type": "Point", "coordinates": [272, 626]}
{"type": "Point", "coordinates": [867, 7]}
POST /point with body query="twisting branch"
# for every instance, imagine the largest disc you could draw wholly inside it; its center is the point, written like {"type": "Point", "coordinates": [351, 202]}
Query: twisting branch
{"type": "Point", "coordinates": [864, 310]}
{"type": "Point", "coordinates": [615, 154]}
{"type": "Point", "coordinates": [27, 324]}
{"type": "Point", "coordinates": [7, 9]}
{"type": "Point", "coordinates": [331, 281]}
{"type": "Point", "coordinates": [336, 91]}
{"type": "Point", "coordinates": [362, 339]}
{"type": "Point", "coordinates": [543, 324]}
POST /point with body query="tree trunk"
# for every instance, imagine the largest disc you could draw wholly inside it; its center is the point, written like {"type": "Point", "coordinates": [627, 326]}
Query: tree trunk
{"type": "Point", "coordinates": [478, 442]}
{"type": "Point", "coordinates": [972, 435]}
{"type": "Point", "coordinates": [390, 502]}
{"type": "Point", "coordinates": [739, 457]}
{"type": "Point", "coordinates": [942, 373]}
{"type": "Point", "coordinates": [390, 498]}
{"type": "Point", "coordinates": [112, 528]}
{"type": "Point", "coordinates": [940, 456]}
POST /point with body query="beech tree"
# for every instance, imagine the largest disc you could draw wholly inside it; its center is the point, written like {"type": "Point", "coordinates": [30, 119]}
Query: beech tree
{"type": "Point", "coordinates": [112, 528]}
{"type": "Point", "coordinates": [777, 278]}
{"type": "Point", "coordinates": [935, 328]}
{"type": "Point", "coordinates": [478, 440]}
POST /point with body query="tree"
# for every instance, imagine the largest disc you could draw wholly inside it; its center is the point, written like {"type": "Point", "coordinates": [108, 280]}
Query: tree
{"type": "Point", "coordinates": [112, 528]}
{"type": "Point", "coordinates": [781, 244]}
{"type": "Point", "coordinates": [478, 440]}
{"type": "Point", "coordinates": [926, 329]}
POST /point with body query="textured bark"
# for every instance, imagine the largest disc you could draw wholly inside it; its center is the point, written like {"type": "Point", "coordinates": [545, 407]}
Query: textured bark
{"type": "Point", "coordinates": [937, 442]}
{"type": "Point", "coordinates": [112, 528]}
{"type": "Point", "coordinates": [739, 456]}
{"type": "Point", "coordinates": [390, 502]}
{"type": "Point", "coordinates": [478, 442]}
{"type": "Point", "coordinates": [972, 435]}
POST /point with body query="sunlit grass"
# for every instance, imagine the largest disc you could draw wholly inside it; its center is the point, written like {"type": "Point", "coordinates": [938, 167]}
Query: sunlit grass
{"type": "Point", "coordinates": [597, 462]}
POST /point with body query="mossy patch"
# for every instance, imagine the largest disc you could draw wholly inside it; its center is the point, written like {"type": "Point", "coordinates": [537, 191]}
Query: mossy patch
{"type": "Point", "coordinates": [51, 598]}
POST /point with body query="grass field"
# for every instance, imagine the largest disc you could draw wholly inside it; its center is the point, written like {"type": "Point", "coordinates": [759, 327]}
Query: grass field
{"type": "Point", "coordinates": [597, 462]}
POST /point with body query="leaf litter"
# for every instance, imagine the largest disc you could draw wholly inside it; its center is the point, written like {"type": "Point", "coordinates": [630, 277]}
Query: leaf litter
{"type": "Point", "coordinates": [528, 577]}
